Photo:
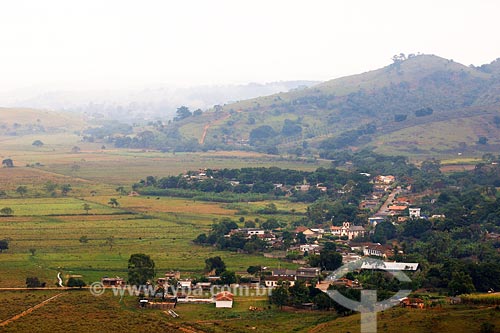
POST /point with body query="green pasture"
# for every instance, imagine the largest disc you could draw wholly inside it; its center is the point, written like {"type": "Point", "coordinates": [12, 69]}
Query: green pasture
{"type": "Point", "coordinates": [53, 206]}
{"type": "Point", "coordinates": [47, 226]}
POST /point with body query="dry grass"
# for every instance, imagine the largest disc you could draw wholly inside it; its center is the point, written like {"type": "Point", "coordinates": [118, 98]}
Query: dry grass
{"type": "Point", "coordinates": [165, 205]}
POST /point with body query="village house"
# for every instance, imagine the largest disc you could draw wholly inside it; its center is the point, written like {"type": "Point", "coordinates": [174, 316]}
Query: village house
{"type": "Point", "coordinates": [415, 303]}
{"type": "Point", "coordinates": [173, 275]}
{"type": "Point", "coordinates": [309, 233]}
{"type": "Point", "coordinates": [321, 187]}
{"type": "Point", "coordinates": [303, 187]}
{"type": "Point", "coordinates": [402, 201]}
{"type": "Point", "coordinates": [377, 250]}
{"type": "Point", "coordinates": [397, 209]}
{"type": "Point", "coordinates": [116, 281]}
{"type": "Point", "coordinates": [350, 257]}
{"type": "Point", "coordinates": [368, 204]}
{"type": "Point", "coordinates": [309, 248]}
{"type": "Point", "coordinates": [185, 284]}
{"type": "Point", "coordinates": [374, 220]}
{"type": "Point", "coordinates": [341, 282]}
{"type": "Point", "coordinates": [308, 273]}
{"type": "Point", "coordinates": [345, 282]}
{"type": "Point", "coordinates": [284, 272]}
{"type": "Point", "coordinates": [379, 188]}
{"type": "Point", "coordinates": [248, 232]}
{"type": "Point", "coordinates": [162, 282]}
{"type": "Point", "coordinates": [414, 213]}
{"type": "Point", "coordinates": [224, 299]}
{"type": "Point", "coordinates": [203, 285]}
{"type": "Point", "coordinates": [387, 180]}
{"type": "Point", "coordinates": [274, 281]}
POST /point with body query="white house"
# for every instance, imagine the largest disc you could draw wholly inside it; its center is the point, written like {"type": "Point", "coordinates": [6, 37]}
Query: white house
{"type": "Point", "coordinates": [274, 281]}
{"type": "Point", "coordinates": [184, 284]}
{"type": "Point", "coordinates": [224, 300]}
{"type": "Point", "coordinates": [414, 213]}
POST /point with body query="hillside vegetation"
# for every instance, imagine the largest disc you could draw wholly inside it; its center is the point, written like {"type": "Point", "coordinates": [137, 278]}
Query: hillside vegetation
{"type": "Point", "coordinates": [394, 106]}
{"type": "Point", "coordinates": [18, 121]}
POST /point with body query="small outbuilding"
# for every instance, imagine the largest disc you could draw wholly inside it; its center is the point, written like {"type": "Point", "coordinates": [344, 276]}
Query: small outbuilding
{"type": "Point", "coordinates": [224, 300]}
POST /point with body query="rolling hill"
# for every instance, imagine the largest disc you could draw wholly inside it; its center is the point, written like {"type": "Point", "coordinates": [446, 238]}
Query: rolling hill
{"type": "Point", "coordinates": [420, 104]}
{"type": "Point", "coordinates": [21, 121]}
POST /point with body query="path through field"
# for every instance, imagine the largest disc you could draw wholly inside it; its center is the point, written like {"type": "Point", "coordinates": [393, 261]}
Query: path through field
{"type": "Point", "coordinates": [28, 311]}
{"type": "Point", "coordinates": [218, 121]}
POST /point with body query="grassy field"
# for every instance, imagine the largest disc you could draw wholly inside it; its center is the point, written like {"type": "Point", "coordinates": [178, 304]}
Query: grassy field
{"type": "Point", "coordinates": [440, 139]}
{"type": "Point", "coordinates": [162, 228]}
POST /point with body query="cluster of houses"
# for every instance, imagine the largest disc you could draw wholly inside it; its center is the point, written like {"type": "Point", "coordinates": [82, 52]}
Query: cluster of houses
{"type": "Point", "coordinates": [347, 231]}
{"type": "Point", "coordinates": [202, 175]}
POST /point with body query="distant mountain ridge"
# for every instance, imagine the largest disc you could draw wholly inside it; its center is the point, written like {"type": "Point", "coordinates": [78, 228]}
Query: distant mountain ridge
{"type": "Point", "coordinates": [144, 103]}
{"type": "Point", "coordinates": [366, 109]}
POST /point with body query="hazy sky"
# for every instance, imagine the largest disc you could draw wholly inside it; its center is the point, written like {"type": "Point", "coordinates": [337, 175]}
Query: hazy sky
{"type": "Point", "coordinates": [116, 44]}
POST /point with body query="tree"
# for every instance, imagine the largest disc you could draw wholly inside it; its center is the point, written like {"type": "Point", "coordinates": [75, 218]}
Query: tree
{"type": "Point", "coordinates": [270, 224]}
{"type": "Point", "coordinates": [262, 133]}
{"type": "Point", "coordinates": [253, 269]}
{"type": "Point", "coordinates": [22, 190]}
{"type": "Point", "coordinates": [34, 282]}
{"type": "Point", "coordinates": [7, 211]}
{"type": "Point", "coordinates": [86, 208]}
{"type": "Point", "coordinates": [299, 293]}
{"type": "Point", "coordinates": [8, 163]}
{"type": "Point", "coordinates": [4, 245]}
{"type": "Point", "coordinates": [487, 328]}
{"type": "Point", "coordinates": [65, 189]}
{"type": "Point", "coordinates": [121, 190]}
{"type": "Point", "coordinates": [250, 224]}
{"type": "Point", "coordinates": [33, 251]}
{"type": "Point", "coordinates": [400, 117]}
{"type": "Point", "coordinates": [110, 241]}
{"type": "Point", "coordinates": [383, 232]}
{"type": "Point", "coordinates": [280, 295]}
{"type": "Point", "coordinates": [291, 128]}
{"type": "Point", "coordinates": [37, 143]}
{"type": "Point", "coordinates": [141, 269]}
{"type": "Point", "coordinates": [227, 278]}
{"type": "Point", "coordinates": [113, 202]}
{"type": "Point", "coordinates": [323, 301]}
{"type": "Point", "coordinates": [215, 263]}
{"type": "Point", "coordinates": [482, 140]}
{"type": "Point", "coordinates": [461, 283]}
{"type": "Point", "coordinates": [270, 208]}
{"type": "Point", "coordinates": [182, 113]}
{"type": "Point", "coordinates": [329, 258]}
{"type": "Point", "coordinates": [50, 187]}
{"type": "Point", "coordinates": [75, 283]}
